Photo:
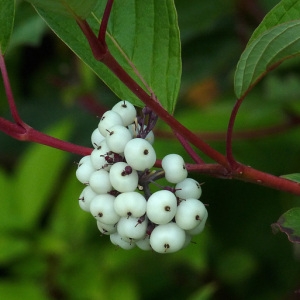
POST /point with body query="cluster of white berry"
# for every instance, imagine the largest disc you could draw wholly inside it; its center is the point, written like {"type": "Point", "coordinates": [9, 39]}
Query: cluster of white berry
{"type": "Point", "coordinates": [118, 175]}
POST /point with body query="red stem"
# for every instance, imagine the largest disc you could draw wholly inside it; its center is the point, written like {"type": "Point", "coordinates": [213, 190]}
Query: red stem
{"type": "Point", "coordinates": [104, 23]}
{"type": "Point", "coordinates": [39, 137]}
{"type": "Point", "coordinates": [233, 115]}
{"type": "Point", "coordinates": [27, 133]}
{"type": "Point", "coordinates": [248, 174]}
{"type": "Point", "coordinates": [8, 91]}
{"type": "Point", "coordinates": [191, 152]}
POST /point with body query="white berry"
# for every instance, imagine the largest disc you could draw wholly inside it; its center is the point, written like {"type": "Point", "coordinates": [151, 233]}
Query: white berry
{"type": "Point", "coordinates": [167, 238]}
{"type": "Point", "coordinates": [117, 240]}
{"type": "Point", "coordinates": [98, 156]}
{"type": "Point", "coordinates": [140, 154]}
{"type": "Point", "coordinates": [130, 204]}
{"type": "Point", "coordinates": [144, 243]}
{"type": "Point", "coordinates": [126, 110]}
{"type": "Point", "coordinates": [106, 228]}
{"type": "Point", "coordinates": [190, 213]}
{"type": "Point", "coordinates": [109, 119]}
{"type": "Point", "coordinates": [86, 198]}
{"type": "Point", "coordinates": [131, 228]}
{"type": "Point", "coordinates": [85, 169]}
{"type": "Point", "coordinates": [100, 182]}
{"type": "Point", "coordinates": [102, 208]}
{"type": "Point", "coordinates": [117, 138]}
{"type": "Point", "coordinates": [161, 207]}
{"type": "Point", "coordinates": [123, 178]}
{"type": "Point", "coordinates": [188, 188]}
{"type": "Point", "coordinates": [96, 138]}
{"type": "Point", "coordinates": [174, 167]}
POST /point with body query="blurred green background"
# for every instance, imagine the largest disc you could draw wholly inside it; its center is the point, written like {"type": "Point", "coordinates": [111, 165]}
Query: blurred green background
{"type": "Point", "coordinates": [51, 249]}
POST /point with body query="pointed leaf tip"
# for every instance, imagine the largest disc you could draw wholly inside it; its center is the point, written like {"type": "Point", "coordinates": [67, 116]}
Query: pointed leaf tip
{"type": "Point", "coordinates": [263, 54]}
{"type": "Point", "coordinates": [289, 223]}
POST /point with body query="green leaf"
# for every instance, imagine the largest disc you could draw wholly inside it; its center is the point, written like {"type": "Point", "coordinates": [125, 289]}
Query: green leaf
{"type": "Point", "coordinates": [289, 223]}
{"type": "Point", "coordinates": [7, 14]}
{"type": "Point", "coordinates": [37, 178]}
{"type": "Point", "coordinates": [284, 11]}
{"type": "Point", "coordinates": [66, 8]}
{"type": "Point", "coordinates": [293, 177]}
{"type": "Point", "coordinates": [267, 51]}
{"type": "Point", "coordinates": [144, 38]}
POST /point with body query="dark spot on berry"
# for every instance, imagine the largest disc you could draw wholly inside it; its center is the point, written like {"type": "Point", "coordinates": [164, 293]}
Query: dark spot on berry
{"type": "Point", "coordinates": [100, 215]}
{"type": "Point", "coordinates": [198, 218]}
{"type": "Point", "coordinates": [146, 151]}
{"type": "Point", "coordinates": [110, 132]}
{"type": "Point", "coordinates": [167, 208]}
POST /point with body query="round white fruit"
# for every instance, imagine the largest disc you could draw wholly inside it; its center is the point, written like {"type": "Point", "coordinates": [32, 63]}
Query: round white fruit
{"type": "Point", "coordinates": [167, 238]}
{"type": "Point", "coordinates": [85, 169]}
{"type": "Point", "coordinates": [106, 228]}
{"type": "Point", "coordinates": [100, 182]}
{"type": "Point", "coordinates": [144, 243]}
{"type": "Point", "coordinates": [102, 208]}
{"type": "Point", "coordinates": [86, 198]}
{"type": "Point", "coordinates": [117, 138]}
{"type": "Point", "coordinates": [108, 120]}
{"type": "Point", "coordinates": [190, 213]}
{"type": "Point", "coordinates": [188, 188]}
{"type": "Point", "coordinates": [130, 204]}
{"type": "Point", "coordinates": [126, 110]}
{"type": "Point", "coordinates": [161, 207]}
{"type": "Point", "coordinates": [96, 138]}
{"type": "Point", "coordinates": [123, 178]}
{"type": "Point", "coordinates": [174, 167]}
{"type": "Point", "coordinates": [140, 154]}
{"type": "Point", "coordinates": [117, 240]}
{"type": "Point", "coordinates": [131, 228]}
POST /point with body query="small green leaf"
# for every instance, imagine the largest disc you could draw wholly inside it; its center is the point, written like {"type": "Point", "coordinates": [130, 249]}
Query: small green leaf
{"type": "Point", "coordinates": [293, 177]}
{"type": "Point", "coordinates": [144, 38]}
{"type": "Point", "coordinates": [268, 50]}
{"type": "Point", "coordinates": [7, 14]}
{"type": "Point", "coordinates": [284, 11]}
{"type": "Point", "coordinates": [66, 8]}
{"type": "Point", "coordinates": [289, 223]}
